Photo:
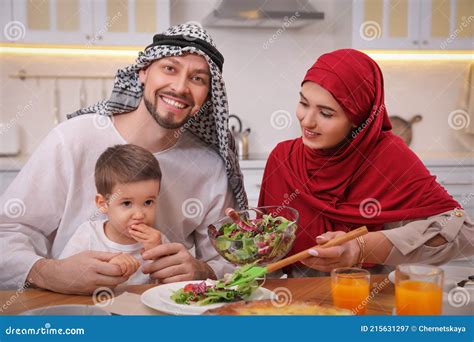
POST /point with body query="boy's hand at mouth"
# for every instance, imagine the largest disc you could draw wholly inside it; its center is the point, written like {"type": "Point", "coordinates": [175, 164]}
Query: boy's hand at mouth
{"type": "Point", "coordinates": [127, 263]}
{"type": "Point", "coordinates": [149, 236]}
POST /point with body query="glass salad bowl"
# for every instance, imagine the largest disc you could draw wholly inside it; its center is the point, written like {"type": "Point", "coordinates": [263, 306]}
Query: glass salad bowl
{"type": "Point", "coordinates": [263, 235]}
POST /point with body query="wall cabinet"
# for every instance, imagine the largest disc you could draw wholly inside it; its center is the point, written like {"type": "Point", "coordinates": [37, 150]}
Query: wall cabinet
{"type": "Point", "coordinates": [85, 22]}
{"type": "Point", "coordinates": [413, 24]}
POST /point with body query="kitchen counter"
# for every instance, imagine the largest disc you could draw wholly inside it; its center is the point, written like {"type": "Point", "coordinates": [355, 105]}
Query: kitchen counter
{"type": "Point", "coordinates": [257, 161]}
{"type": "Point", "coordinates": [447, 158]}
{"type": "Point", "coordinates": [453, 169]}
{"type": "Point", "coordinates": [13, 163]}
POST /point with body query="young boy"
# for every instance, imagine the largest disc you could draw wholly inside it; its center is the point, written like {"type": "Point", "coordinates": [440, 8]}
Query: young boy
{"type": "Point", "coordinates": [127, 178]}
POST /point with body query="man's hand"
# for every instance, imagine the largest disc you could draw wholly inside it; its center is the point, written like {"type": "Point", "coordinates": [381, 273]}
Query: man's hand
{"type": "Point", "coordinates": [127, 263]}
{"type": "Point", "coordinates": [326, 259]}
{"type": "Point", "coordinates": [81, 273]}
{"type": "Point", "coordinates": [172, 262]}
{"type": "Point", "coordinates": [149, 236]}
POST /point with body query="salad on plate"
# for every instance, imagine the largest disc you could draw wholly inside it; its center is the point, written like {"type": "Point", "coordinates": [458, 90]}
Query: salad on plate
{"type": "Point", "coordinates": [212, 291]}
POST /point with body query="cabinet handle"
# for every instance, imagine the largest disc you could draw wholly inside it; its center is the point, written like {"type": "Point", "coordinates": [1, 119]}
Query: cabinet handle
{"type": "Point", "coordinates": [415, 42]}
{"type": "Point", "coordinates": [99, 37]}
{"type": "Point", "coordinates": [258, 186]}
{"type": "Point", "coordinates": [425, 42]}
{"type": "Point", "coordinates": [455, 183]}
{"type": "Point", "coordinates": [88, 37]}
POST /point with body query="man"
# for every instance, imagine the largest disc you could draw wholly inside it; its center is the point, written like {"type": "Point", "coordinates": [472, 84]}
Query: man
{"type": "Point", "coordinates": [171, 102]}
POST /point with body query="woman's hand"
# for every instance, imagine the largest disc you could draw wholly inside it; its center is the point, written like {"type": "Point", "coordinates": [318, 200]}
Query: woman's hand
{"type": "Point", "coordinates": [326, 259]}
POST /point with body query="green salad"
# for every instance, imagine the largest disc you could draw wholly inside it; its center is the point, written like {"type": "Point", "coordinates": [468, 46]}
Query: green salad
{"type": "Point", "coordinates": [222, 291]}
{"type": "Point", "coordinates": [263, 239]}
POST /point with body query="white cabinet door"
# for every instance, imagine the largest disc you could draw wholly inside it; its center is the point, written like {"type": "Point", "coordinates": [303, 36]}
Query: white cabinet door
{"type": "Point", "coordinates": [385, 24]}
{"type": "Point", "coordinates": [86, 22]}
{"type": "Point", "coordinates": [413, 24]}
{"type": "Point", "coordinates": [252, 184]}
{"type": "Point", "coordinates": [458, 182]}
{"type": "Point", "coordinates": [11, 31]}
{"type": "Point", "coordinates": [54, 21]}
{"type": "Point", "coordinates": [6, 177]}
{"type": "Point", "coordinates": [129, 22]}
{"type": "Point", "coordinates": [447, 24]}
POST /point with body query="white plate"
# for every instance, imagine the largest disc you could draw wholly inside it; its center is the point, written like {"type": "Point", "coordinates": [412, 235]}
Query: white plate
{"type": "Point", "coordinates": [158, 298]}
{"type": "Point", "coordinates": [391, 277]}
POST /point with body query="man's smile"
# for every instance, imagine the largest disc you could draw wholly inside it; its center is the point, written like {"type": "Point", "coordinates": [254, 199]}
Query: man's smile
{"type": "Point", "coordinates": [174, 102]}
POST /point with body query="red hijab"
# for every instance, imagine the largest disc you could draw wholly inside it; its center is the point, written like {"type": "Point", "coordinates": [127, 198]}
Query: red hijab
{"type": "Point", "coordinates": [371, 180]}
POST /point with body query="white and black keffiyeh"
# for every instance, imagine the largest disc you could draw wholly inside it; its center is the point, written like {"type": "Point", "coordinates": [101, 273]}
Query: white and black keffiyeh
{"type": "Point", "coordinates": [210, 124]}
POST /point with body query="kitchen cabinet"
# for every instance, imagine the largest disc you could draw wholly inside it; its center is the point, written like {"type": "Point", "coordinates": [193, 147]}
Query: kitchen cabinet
{"type": "Point", "coordinates": [6, 17]}
{"type": "Point", "coordinates": [458, 182]}
{"type": "Point", "coordinates": [253, 175]}
{"type": "Point", "coordinates": [88, 22]}
{"type": "Point", "coordinates": [457, 179]}
{"type": "Point", "coordinates": [413, 24]}
{"type": "Point", "coordinates": [52, 21]}
{"type": "Point", "coordinates": [132, 22]}
{"type": "Point", "coordinates": [6, 177]}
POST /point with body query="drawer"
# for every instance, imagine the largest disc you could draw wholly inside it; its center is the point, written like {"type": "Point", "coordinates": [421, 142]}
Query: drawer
{"type": "Point", "coordinates": [457, 180]}
{"type": "Point", "coordinates": [252, 183]}
{"type": "Point", "coordinates": [459, 190]}
{"type": "Point", "coordinates": [253, 202]}
{"type": "Point", "coordinates": [253, 177]}
{"type": "Point", "coordinates": [6, 177]}
{"type": "Point", "coordinates": [455, 175]}
{"type": "Point", "coordinates": [470, 212]}
{"type": "Point", "coordinates": [466, 201]}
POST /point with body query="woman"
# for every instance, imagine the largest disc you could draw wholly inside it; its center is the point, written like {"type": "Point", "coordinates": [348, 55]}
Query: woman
{"type": "Point", "coordinates": [349, 170]}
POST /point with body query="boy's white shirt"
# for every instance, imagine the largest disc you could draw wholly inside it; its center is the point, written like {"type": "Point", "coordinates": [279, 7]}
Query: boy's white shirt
{"type": "Point", "coordinates": [55, 193]}
{"type": "Point", "coordinates": [90, 236]}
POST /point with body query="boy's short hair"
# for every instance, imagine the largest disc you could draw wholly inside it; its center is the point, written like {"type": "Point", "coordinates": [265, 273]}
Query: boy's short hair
{"type": "Point", "coordinates": [124, 164]}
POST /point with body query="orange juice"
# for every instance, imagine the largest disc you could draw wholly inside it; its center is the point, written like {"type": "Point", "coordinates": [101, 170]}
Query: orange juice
{"type": "Point", "coordinates": [418, 298]}
{"type": "Point", "coordinates": [351, 293]}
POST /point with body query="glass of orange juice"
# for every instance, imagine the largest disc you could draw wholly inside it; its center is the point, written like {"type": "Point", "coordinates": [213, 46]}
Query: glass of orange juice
{"type": "Point", "coordinates": [418, 289]}
{"type": "Point", "coordinates": [350, 289]}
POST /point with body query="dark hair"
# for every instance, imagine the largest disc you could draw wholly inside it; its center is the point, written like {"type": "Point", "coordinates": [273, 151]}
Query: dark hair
{"type": "Point", "coordinates": [124, 164]}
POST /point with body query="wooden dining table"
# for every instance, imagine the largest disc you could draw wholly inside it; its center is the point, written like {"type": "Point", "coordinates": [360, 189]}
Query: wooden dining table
{"type": "Point", "coordinates": [379, 302]}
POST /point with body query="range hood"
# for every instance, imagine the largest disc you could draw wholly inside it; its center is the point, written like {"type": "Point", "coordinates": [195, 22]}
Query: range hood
{"type": "Point", "coordinates": [263, 14]}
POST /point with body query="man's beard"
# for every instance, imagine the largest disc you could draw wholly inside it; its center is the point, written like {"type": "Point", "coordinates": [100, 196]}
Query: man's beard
{"type": "Point", "coordinates": [165, 121]}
